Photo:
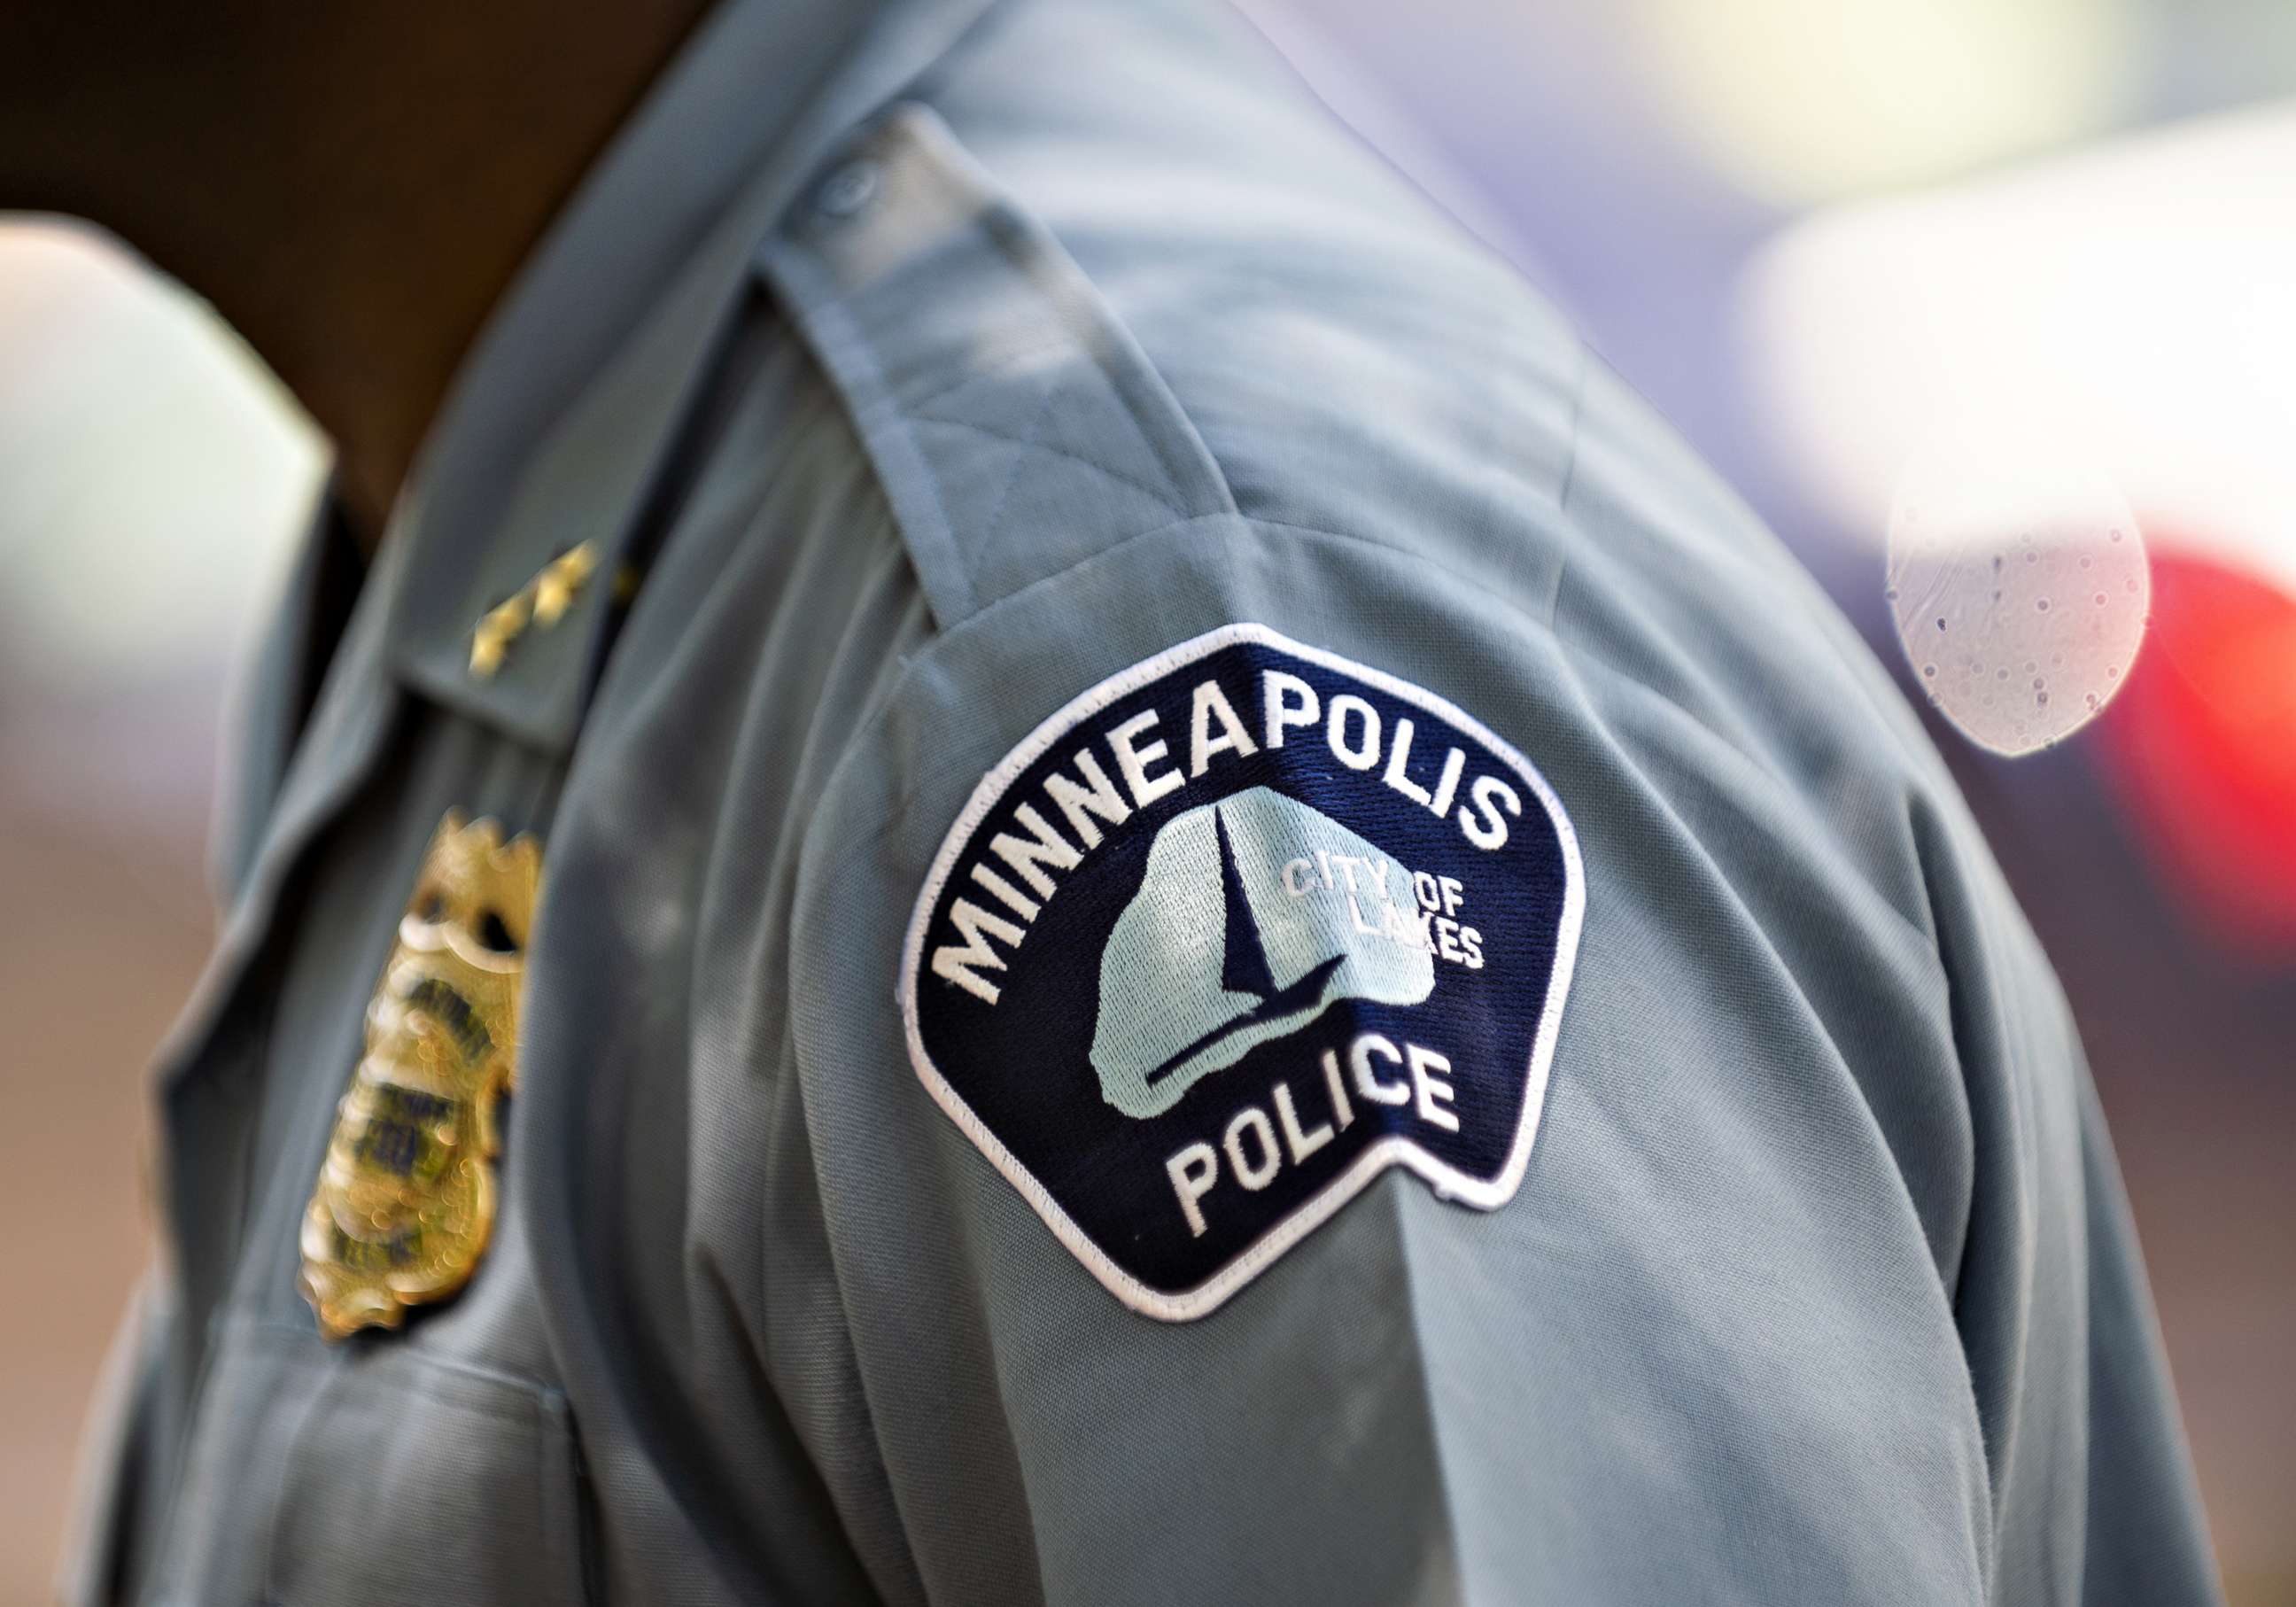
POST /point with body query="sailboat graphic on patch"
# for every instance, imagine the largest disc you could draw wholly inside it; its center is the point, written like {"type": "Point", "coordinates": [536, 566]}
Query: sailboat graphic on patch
{"type": "Point", "coordinates": [1221, 951]}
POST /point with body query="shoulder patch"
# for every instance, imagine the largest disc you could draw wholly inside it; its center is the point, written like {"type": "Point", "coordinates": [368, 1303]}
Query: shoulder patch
{"type": "Point", "coordinates": [1231, 934]}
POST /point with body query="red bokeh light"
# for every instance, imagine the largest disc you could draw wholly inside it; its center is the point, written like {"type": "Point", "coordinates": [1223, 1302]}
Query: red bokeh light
{"type": "Point", "coordinates": [2203, 742]}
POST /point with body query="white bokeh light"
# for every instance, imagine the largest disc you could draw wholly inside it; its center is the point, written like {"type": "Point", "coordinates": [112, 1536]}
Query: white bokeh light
{"type": "Point", "coordinates": [2019, 587]}
{"type": "Point", "coordinates": [1799, 100]}
{"type": "Point", "coordinates": [2136, 296]}
{"type": "Point", "coordinates": [152, 473]}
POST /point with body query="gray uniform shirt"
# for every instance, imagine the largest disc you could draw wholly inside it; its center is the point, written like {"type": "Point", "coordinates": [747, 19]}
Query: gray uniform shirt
{"type": "Point", "coordinates": [932, 370]}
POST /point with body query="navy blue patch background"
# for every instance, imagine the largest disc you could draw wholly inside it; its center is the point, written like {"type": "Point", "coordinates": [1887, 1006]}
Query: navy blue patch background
{"type": "Point", "coordinates": [1024, 1064]}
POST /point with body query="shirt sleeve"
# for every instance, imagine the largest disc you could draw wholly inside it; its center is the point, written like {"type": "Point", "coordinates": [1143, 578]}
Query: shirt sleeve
{"type": "Point", "coordinates": [1812, 1286]}
{"type": "Point", "coordinates": [1196, 989]}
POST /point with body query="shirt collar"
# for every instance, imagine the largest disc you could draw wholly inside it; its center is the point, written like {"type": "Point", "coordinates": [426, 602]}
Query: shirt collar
{"type": "Point", "coordinates": [561, 418]}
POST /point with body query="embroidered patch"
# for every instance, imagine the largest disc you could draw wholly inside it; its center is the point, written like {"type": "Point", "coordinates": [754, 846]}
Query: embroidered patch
{"type": "Point", "coordinates": [1228, 936]}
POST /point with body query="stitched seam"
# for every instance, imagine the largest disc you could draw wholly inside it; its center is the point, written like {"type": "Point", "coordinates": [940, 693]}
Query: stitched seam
{"type": "Point", "coordinates": [875, 720]}
{"type": "Point", "coordinates": [1170, 456]}
{"type": "Point", "coordinates": [1059, 341]}
{"type": "Point", "coordinates": [908, 670]}
{"type": "Point", "coordinates": [1020, 459]}
{"type": "Point", "coordinates": [1038, 256]}
{"type": "Point", "coordinates": [1031, 443]}
{"type": "Point", "coordinates": [1574, 653]}
{"type": "Point", "coordinates": [846, 362]}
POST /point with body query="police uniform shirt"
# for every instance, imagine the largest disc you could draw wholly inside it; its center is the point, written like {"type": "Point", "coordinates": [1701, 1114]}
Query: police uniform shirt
{"type": "Point", "coordinates": [1213, 930]}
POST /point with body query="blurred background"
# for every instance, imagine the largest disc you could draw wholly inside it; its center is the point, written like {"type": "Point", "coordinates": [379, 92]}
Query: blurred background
{"type": "Point", "coordinates": [1821, 235]}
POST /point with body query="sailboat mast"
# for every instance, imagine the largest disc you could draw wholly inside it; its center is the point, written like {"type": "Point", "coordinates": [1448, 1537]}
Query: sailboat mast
{"type": "Point", "coordinates": [1244, 965]}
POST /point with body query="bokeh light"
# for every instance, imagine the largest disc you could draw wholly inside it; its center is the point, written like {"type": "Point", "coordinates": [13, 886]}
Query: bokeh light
{"type": "Point", "coordinates": [150, 470]}
{"type": "Point", "coordinates": [1807, 100]}
{"type": "Point", "coordinates": [2018, 584]}
{"type": "Point", "coordinates": [2133, 299]}
{"type": "Point", "coordinates": [2204, 750]}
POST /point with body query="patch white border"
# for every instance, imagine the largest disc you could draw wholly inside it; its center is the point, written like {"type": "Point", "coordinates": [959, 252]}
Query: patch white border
{"type": "Point", "coordinates": [1394, 1150]}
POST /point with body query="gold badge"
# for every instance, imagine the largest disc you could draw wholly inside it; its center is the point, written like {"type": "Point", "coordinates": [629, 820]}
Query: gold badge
{"type": "Point", "coordinates": [405, 1198]}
